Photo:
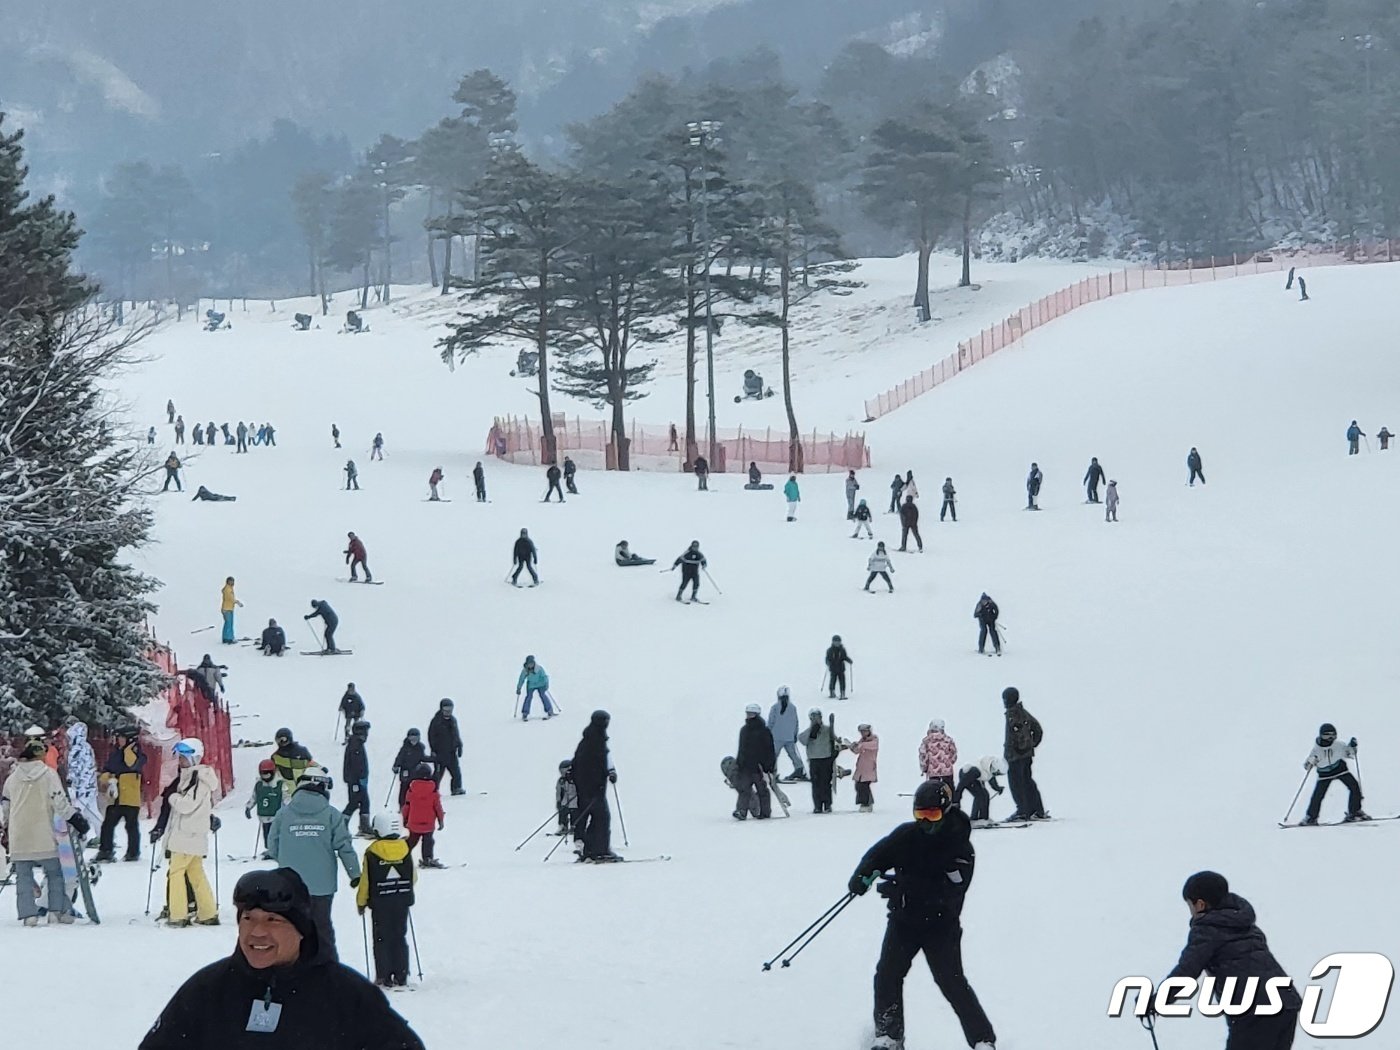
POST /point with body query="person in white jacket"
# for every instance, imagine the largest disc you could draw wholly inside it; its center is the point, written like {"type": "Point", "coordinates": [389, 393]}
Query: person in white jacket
{"type": "Point", "coordinates": [977, 779]}
{"type": "Point", "coordinates": [187, 836]}
{"type": "Point", "coordinates": [879, 565]}
{"type": "Point", "coordinates": [30, 802]}
{"type": "Point", "coordinates": [782, 723]}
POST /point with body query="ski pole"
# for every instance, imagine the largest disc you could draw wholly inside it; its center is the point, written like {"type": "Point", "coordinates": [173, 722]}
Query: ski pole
{"type": "Point", "coordinates": [621, 821]}
{"type": "Point", "coordinates": [364, 932]}
{"type": "Point", "coordinates": [843, 901]}
{"type": "Point", "coordinates": [1295, 796]}
{"type": "Point", "coordinates": [815, 933]}
{"type": "Point", "coordinates": [711, 579]}
{"type": "Point", "coordinates": [1150, 1023]}
{"type": "Point", "coordinates": [823, 685]}
{"type": "Point", "coordinates": [414, 934]}
{"type": "Point", "coordinates": [319, 644]}
{"type": "Point", "coordinates": [516, 712]}
{"type": "Point", "coordinates": [388, 795]}
{"type": "Point", "coordinates": [336, 731]}
{"type": "Point", "coordinates": [532, 834]}
{"type": "Point", "coordinates": [577, 821]}
{"type": "Point", "coordinates": [216, 866]}
{"type": "Point", "coordinates": [151, 878]}
{"type": "Point", "coordinates": [257, 834]}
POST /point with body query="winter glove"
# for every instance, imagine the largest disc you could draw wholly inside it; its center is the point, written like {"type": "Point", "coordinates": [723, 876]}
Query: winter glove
{"type": "Point", "coordinates": [156, 833]}
{"type": "Point", "coordinates": [860, 884]}
{"type": "Point", "coordinates": [247, 812]}
{"type": "Point", "coordinates": [354, 885]}
{"type": "Point", "coordinates": [441, 825]}
{"type": "Point", "coordinates": [79, 823]}
{"type": "Point", "coordinates": [612, 776]}
{"type": "Point", "coordinates": [1307, 765]}
{"type": "Point", "coordinates": [215, 823]}
{"type": "Point", "coordinates": [1352, 744]}
{"type": "Point", "coordinates": [361, 911]}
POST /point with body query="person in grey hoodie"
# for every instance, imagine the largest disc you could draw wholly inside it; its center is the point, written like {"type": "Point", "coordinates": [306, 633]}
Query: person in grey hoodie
{"type": "Point", "coordinates": [782, 722]}
{"type": "Point", "coordinates": [307, 835]}
{"type": "Point", "coordinates": [852, 487]}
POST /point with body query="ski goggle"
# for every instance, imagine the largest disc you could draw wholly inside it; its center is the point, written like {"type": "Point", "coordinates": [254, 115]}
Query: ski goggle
{"type": "Point", "coordinates": [933, 816]}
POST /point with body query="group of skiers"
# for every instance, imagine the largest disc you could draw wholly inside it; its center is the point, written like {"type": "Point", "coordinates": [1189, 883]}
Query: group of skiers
{"type": "Point", "coordinates": [241, 435]}
{"type": "Point", "coordinates": [1355, 435]}
{"type": "Point", "coordinates": [273, 639]}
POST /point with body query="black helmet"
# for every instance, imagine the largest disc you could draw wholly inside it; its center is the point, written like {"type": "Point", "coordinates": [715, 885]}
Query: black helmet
{"type": "Point", "coordinates": [283, 734]}
{"type": "Point", "coordinates": [360, 728]}
{"type": "Point", "coordinates": [835, 639]}
{"type": "Point", "coordinates": [566, 765]}
{"type": "Point", "coordinates": [1327, 731]}
{"type": "Point", "coordinates": [932, 794]}
{"type": "Point", "coordinates": [413, 732]}
{"type": "Point", "coordinates": [601, 717]}
{"type": "Point", "coordinates": [445, 702]}
{"type": "Point", "coordinates": [423, 772]}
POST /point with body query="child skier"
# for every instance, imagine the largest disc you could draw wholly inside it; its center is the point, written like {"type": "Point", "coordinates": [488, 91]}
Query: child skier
{"type": "Point", "coordinates": [867, 752]}
{"type": "Point", "coordinates": [534, 679]}
{"type": "Point", "coordinates": [566, 798]}
{"type": "Point", "coordinates": [861, 516]}
{"type": "Point", "coordinates": [1329, 759]}
{"type": "Point", "coordinates": [938, 754]}
{"type": "Point", "coordinates": [387, 891]}
{"type": "Point", "coordinates": [879, 565]}
{"type": "Point", "coordinates": [266, 800]}
{"type": "Point", "coordinates": [422, 813]}
{"type": "Point", "coordinates": [977, 779]}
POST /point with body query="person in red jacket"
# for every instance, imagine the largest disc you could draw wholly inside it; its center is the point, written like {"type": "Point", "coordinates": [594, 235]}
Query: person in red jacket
{"type": "Point", "coordinates": [422, 814]}
{"type": "Point", "coordinates": [434, 480]}
{"type": "Point", "coordinates": [356, 558]}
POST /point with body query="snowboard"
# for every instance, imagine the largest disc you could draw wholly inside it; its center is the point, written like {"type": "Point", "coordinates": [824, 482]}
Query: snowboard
{"type": "Point", "coordinates": [323, 652]}
{"type": "Point", "coordinates": [372, 583]}
{"type": "Point", "coordinates": [631, 564]}
{"type": "Point", "coordinates": [72, 855]}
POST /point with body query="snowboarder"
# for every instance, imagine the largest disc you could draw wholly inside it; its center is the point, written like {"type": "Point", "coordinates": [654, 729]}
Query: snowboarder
{"type": "Point", "coordinates": [1023, 736]}
{"type": "Point", "coordinates": [862, 519]}
{"type": "Point", "coordinates": [526, 557]}
{"type": "Point", "coordinates": [552, 476]}
{"type": "Point", "coordinates": [950, 500]}
{"type": "Point", "coordinates": [352, 476]}
{"type": "Point", "coordinates": [179, 430]}
{"type": "Point", "coordinates": [570, 469]}
{"type": "Point", "coordinates": [191, 807]}
{"type": "Point", "coordinates": [702, 473]}
{"type": "Point", "coordinates": [377, 448]}
{"type": "Point", "coordinates": [412, 754]}
{"type": "Point", "coordinates": [933, 860]}
{"type": "Point", "coordinates": [1033, 482]}
{"type": "Point", "coordinates": [691, 562]}
{"type": "Point", "coordinates": [356, 558]}
{"type": "Point", "coordinates": [291, 760]}
{"type": "Point", "coordinates": [1092, 478]}
{"type": "Point", "coordinates": [355, 771]}
{"type": "Point", "coordinates": [836, 660]}
{"type": "Point", "coordinates": [274, 640]}
{"type": "Point", "coordinates": [881, 566]}
{"type": "Point", "coordinates": [1193, 463]}
{"type": "Point", "coordinates": [909, 522]}
{"type": "Point", "coordinates": [852, 487]}
{"type": "Point", "coordinates": [1330, 760]}
{"type": "Point", "coordinates": [1354, 436]}
{"type": "Point", "coordinates": [593, 771]}
{"type": "Point", "coordinates": [30, 800]}
{"type": "Point", "coordinates": [352, 708]}
{"type": "Point", "coordinates": [566, 798]}
{"type": "Point", "coordinates": [866, 748]}
{"type": "Point", "coordinates": [753, 762]}
{"type": "Point", "coordinates": [896, 487]}
{"type": "Point", "coordinates": [335, 435]}
{"type": "Point", "coordinates": [121, 781]}
{"type": "Point", "coordinates": [386, 892]}
{"type": "Point", "coordinates": [265, 801]}
{"type": "Point", "coordinates": [479, 480]}
{"type": "Point", "coordinates": [434, 480]}
{"type": "Point", "coordinates": [985, 612]}
{"type": "Point", "coordinates": [1383, 436]}
{"type": "Point", "coordinates": [755, 476]}
{"type": "Point", "coordinates": [228, 601]}
{"type": "Point", "coordinates": [308, 835]}
{"type": "Point", "coordinates": [976, 779]}
{"type": "Point", "coordinates": [819, 740]}
{"type": "Point", "coordinates": [172, 473]}
{"type": "Point", "coordinates": [938, 754]}
{"type": "Point", "coordinates": [625, 559]}
{"type": "Point", "coordinates": [534, 679]}
{"type": "Point", "coordinates": [329, 620]}
{"type": "Point", "coordinates": [422, 814]}
{"type": "Point", "coordinates": [782, 723]}
{"type": "Point", "coordinates": [445, 743]}
{"type": "Point", "coordinates": [793, 495]}
{"type": "Point", "coordinates": [1110, 512]}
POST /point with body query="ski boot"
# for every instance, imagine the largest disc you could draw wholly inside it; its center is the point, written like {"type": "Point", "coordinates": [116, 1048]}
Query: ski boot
{"type": "Point", "coordinates": [1308, 822]}
{"type": "Point", "coordinates": [208, 922]}
{"type": "Point", "coordinates": [1352, 818]}
{"type": "Point", "coordinates": [431, 862]}
{"type": "Point", "coordinates": [887, 1042]}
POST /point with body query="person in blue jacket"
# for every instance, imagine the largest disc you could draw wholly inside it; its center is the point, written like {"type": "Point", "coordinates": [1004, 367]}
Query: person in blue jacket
{"type": "Point", "coordinates": [1354, 436]}
{"type": "Point", "coordinates": [782, 722]}
{"type": "Point", "coordinates": [534, 679]}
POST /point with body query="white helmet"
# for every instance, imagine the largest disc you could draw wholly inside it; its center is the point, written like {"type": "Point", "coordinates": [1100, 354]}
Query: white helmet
{"type": "Point", "coordinates": [753, 709]}
{"type": "Point", "coordinates": [936, 726]}
{"type": "Point", "coordinates": [386, 825]}
{"type": "Point", "coordinates": [783, 692]}
{"type": "Point", "coordinates": [34, 731]}
{"type": "Point", "coordinates": [191, 748]}
{"type": "Point", "coordinates": [316, 778]}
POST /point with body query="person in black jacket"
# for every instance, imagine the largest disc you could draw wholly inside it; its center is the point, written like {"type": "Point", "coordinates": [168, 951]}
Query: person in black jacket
{"type": "Point", "coordinates": [275, 992]}
{"type": "Point", "coordinates": [552, 476]}
{"type": "Point", "coordinates": [1033, 482]}
{"type": "Point", "coordinates": [479, 480]}
{"type": "Point", "coordinates": [526, 557]}
{"type": "Point", "coordinates": [1023, 736]}
{"type": "Point", "coordinates": [932, 861]}
{"type": "Point", "coordinates": [356, 774]}
{"type": "Point", "coordinates": [986, 613]}
{"type": "Point", "coordinates": [1225, 943]}
{"type": "Point", "coordinates": [950, 500]}
{"type": "Point", "coordinates": [691, 562]}
{"type": "Point", "coordinates": [1193, 464]}
{"type": "Point", "coordinates": [445, 742]}
{"type": "Point", "coordinates": [836, 660]}
{"type": "Point", "coordinates": [274, 640]}
{"type": "Point", "coordinates": [412, 754]}
{"type": "Point", "coordinates": [328, 618]}
{"type": "Point", "coordinates": [593, 772]}
{"type": "Point", "coordinates": [754, 760]}
{"type": "Point", "coordinates": [909, 522]}
{"type": "Point", "coordinates": [702, 473]}
{"type": "Point", "coordinates": [570, 469]}
{"type": "Point", "coordinates": [1093, 477]}
{"type": "Point", "coordinates": [352, 708]}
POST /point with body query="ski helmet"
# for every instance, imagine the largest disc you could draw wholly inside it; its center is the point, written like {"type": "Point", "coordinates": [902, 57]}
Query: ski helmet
{"type": "Point", "coordinates": [816, 712]}
{"type": "Point", "coordinates": [835, 639]}
{"type": "Point", "coordinates": [423, 772]}
{"type": "Point", "coordinates": [445, 702]}
{"type": "Point", "coordinates": [566, 765]}
{"type": "Point", "coordinates": [784, 692]}
{"type": "Point", "coordinates": [932, 794]}
{"type": "Point", "coordinates": [754, 709]}
{"type": "Point", "coordinates": [412, 733]}
{"type": "Point", "coordinates": [34, 731]}
{"type": "Point", "coordinates": [1010, 696]}
{"type": "Point", "coordinates": [1326, 733]}
{"type": "Point", "coordinates": [283, 736]}
{"type": "Point", "coordinates": [864, 727]}
{"type": "Point", "coordinates": [529, 660]}
{"type": "Point", "coordinates": [936, 726]}
{"type": "Point", "coordinates": [601, 717]}
{"type": "Point", "coordinates": [266, 766]}
{"type": "Point", "coordinates": [191, 749]}
{"type": "Point", "coordinates": [360, 728]}
{"type": "Point", "coordinates": [386, 825]}
{"type": "Point", "coordinates": [315, 778]}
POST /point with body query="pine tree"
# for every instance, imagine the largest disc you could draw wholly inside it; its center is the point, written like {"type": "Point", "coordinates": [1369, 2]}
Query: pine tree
{"type": "Point", "coordinates": [311, 197]}
{"type": "Point", "coordinates": [355, 231]}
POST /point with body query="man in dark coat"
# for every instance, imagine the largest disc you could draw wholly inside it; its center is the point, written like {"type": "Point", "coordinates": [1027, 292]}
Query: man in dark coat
{"type": "Point", "coordinates": [356, 773]}
{"type": "Point", "coordinates": [986, 613]}
{"type": "Point", "coordinates": [950, 500]}
{"type": "Point", "coordinates": [702, 473]}
{"type": "Point", "coordinates": [526, 558]}
{"type": "Point", "coordinates": [274, 640]}
{"type": "Point", "coordinates": [932, 862]}
{"type": "Point", "coordinates": [1193, 463]}
{"type": "Point", "coordinates": [1033, 483]}
{"type": "Point", "coordinates": [836, 660]}
{"type": "Point", "coordinates": [552, 476]}
{"type": "Point", "coordinates": [203, 494]}
{"type": "Point", "coordinates": [593, 772]}
{"type": "Point", "coordinates": [1023, 736]}
{"type": "Point", "coordinates": [412, 754]}
{"type": "Point", "coordinates": [479, 480]}
{"type": "Point", "coordinates": [352, 707]}
{"type": "Point", "coordinates": [1093, 477]}
{"type": "Point", "coordinates": [691, 562]}
{"type": "Point", "coordinates": [1225, 943]}
{"type": "Point", "coordinates": [570, 469]}
{"type": "Point", "coordinates": [297, 998]}
{"type": "Point", "coordinates": [909, 522]}
{"type": "Point", "coordinates": [445, 742]}
{"type": "Point", "coordinates": [754, 760]}
{"type": "Point", "coordinates": [322, 609]}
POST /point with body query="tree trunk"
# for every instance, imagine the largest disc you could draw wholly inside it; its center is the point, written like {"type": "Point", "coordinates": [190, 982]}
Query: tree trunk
{"type": "Point", "coordinates": [619, 429]}
{"type": "Point", "coordinates": [447, 265]}
{"type": "Point", "coordinates": [321, 288]}
{"type": "Point", "coordinates": [311, 261]}
{"type": "Point", "coordinates": [966, 278]}
{"type": "Point", "coordinates": [364, 286]}
{"type": "Point", "coordinates": [550, 452]}
{"type": "Point", "coordinates": [794, 439]}
{"type": "Point", "coordinates": [691, 448]}
{"type": "Point", "coordinates": [432, 247]}
{"type": "Point", "coordinates": [921, 289]}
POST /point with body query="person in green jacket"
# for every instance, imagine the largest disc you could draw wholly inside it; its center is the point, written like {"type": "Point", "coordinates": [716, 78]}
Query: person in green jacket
{"type": "Point", "coordinates": [307, 835]}
{"type": "Point", "coordinates": [794, 497]}
{"type": "Point", "coordinates": [265, 800]}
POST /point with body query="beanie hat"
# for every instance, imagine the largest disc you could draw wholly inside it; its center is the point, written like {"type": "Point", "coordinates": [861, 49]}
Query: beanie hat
{"type": "Point", "coordinates": [281, 892]}
{"type": "Point", "coordinates": [1208, 886]}
{"type": "Point", "coordinates": [936, 726]}
{"type": "Point", "coordinates": [1010, 696]}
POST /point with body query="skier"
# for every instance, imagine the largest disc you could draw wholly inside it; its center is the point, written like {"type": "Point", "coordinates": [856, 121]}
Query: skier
{"type": "Point", "coordinates": [1110, 512]}
{"type": "Point", "coordinates": [552, 476]}
{"type": "Point", "coordinates": [121, 781]}
{"type": "Point", "coordinates": [691, 562]}
{"type": "Point", "coordinates": [836, 660]}
{"type": "Point", "coordinates": [566, 798]}
{"type": "Point", "coordinates": [793, 495]}
{"type": "Point", "coordinates": [352, 476]}
{"type": "Point", "coordinates": [1330, 760]}
{"type": "Point", "coordinates": [674, 439]}
{"type": "Point", "coordinates": [754, 760]}
{"type": "Point", "coordinates": [242, 431]}
{"type": "Point", "coordinates": [938, 754]}
{"type": "Point", "coordinates": [355, 770]}
{"type": "Point", "coordinates": [1193, 463]}
{"type": "Point", "coordinates": [862, 520]}
{"type": "Point", "coordinates": [170, 410]}
{"type": "Point", "coordinates": [422, 814]}
{"type": "Point", "coordinates": [82, 773]}
{"type": "Point", "coordinates": [228, 601]}
{"type": "Point", "coordinates": [1302, 289]}
{"type": "Point", "coordinates": [271, 437]}
{"type": "Point", "coordinates": [479, 480]}
{"type": "Point", "coordinates": [179, 430]}
{"type": "Point", "coordinates": [445, 743]}
{"type": "Point", "coordinates": [534, 679]}
{"type": "Point", "coordinates": [352, 708]}
{"type": "Point", "coordinates": [1023, 736]}
{"type": "Point", "coordinates": [977, 779]}
{"type": "Point", "coordinates": [782, 723]}
{"type": "Point", "coordinates": [329, 620]}
{"type": "Point", "coordinates": [570, 469]}
{"type": "Point", "coordinates": [526, 557]}
{"type": "Point", "coordinates": [199, 433]}
{"type": "Point", "coordinates": [933, 861]}
{"type": "Point", "coordinates": [377, 449]}
{"type": "Point", "coordinates": [702, 473]}
{"type": "Point", "coordinates": [896, 487]}
{"type": "Point", "coordinates": [625, 559]}
{"type": "Point", "coordinates": [867, 751]}
{"type": "Point", "coordinates": [593, 771]}
{"type": "Point", "coordinates": [434, 480]}
{"type": "Point", "coordinates": [290, 758]}
{"type": "Point", "coordinates": [1092, 478]}
{"type": "Point", "coordinates": [1383, 436]}
{"type": "Point", "coordinates": [172, 473]}
{"type": "Point", "coordinates": [386, 891]}
{"type": "Point", "coordinates": [1226, 943]}
{"type": "Point", "coordinates": [273, 641]}
{"type": "Point", "coordinates": [151, 435]}
{"type": "Point", "coordinates": [909, 522]}
{"type": "Point", "coordinates": [412, 754]}
{"type": "Point", "coordinates": [30, 800]}
{"type": "Point", "coordinates": [852, 487]}
{"type": "Point", "coordinates": [1033, 482]}
{"type": "Point", "coordinates": [950, 500]}
{"type": "Point", "coordinates": [356, 558]}
{"type": "Point", "coordinates": [819, 740]}
{"type": "Point", "coordinates": [192, 801]}
{"type": "Point", "coordinates": [307, 835]}
{"type": "Point", "coordinates": [879, 565]}
{"type": "Point", "coordinates": [335, 435]}
{"type": "Point", "coordinates": [1354, 436]}
{"type": "Point", "coordinates": [265, 800]}
{"type": "Point", "coordinates": [985, 612]}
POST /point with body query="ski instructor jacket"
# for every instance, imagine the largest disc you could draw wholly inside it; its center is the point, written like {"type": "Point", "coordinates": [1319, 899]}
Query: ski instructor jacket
{"type": "Point", "coordinates": [307, 835]}
{"type": "Point", "coordinates": [931, 870]}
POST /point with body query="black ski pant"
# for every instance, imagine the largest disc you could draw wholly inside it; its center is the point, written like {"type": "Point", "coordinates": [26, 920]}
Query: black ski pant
{"type": "Point", "coordinates": [883, 575]}
{"type": "Point", "coordinates": [330, 636]}
{"type": "Point", "coordinates": [838, 680]}
{"type": "Point", "coordinates": [594, 825]}
{"type": "Point", "coordinates": [904, 532]}
{"type": "Point", "coordinates": [894, 500]}
{"type": "Point", "coordinates": [172, 475]}
{"type": "Point", "coordinates": [390, 922]}
{"type": "Point", "coordinates": [949, 507]}
{"type": "Point", "coordinates": [451, 764]}
{"type": "Point", "coordinates": [865, 796]}
{"type": "Point", "coordinates": [1196, 473]}
{"type": "Point", "coordinates": [751, 783]}
{"type": "Point", "coordinates": [321, 917]}
{"type": "Point", "coordinates": [703, 480]}
{"type": "Point", "coordinates": [971, 782]}
{"type": "Point", "coordinates": [1023, 789]}
{"type": "Point", "coordinates": [1354, 447]}
{"type": "Point", "coordinates": [554, 487]}
{"type": "Point", "coordinates": [941, 944]}
{"type": "Point", "coordinates": [130, 815]}
{"type": "Point", "coordinates": [358, 801]}
{"type": "Point", "coordinates": [1253, 1032]}
{"type": "Point", "coordinates": [1320, 792]}
{"type": "Point", "coordinates": [988, 627]}
{"type": "Point", "coordinates": [821, 783]}
{"type": "Point", "coordinates": [527, 567]}
{"type": "Point", "coordinates": [690, 575]}
{"type": "Point", "coordinates": [569, 484]}
{"type": "Point", "coordinates": [481, 492]}
{"type": "Point", "coordinates": [1093, 492]}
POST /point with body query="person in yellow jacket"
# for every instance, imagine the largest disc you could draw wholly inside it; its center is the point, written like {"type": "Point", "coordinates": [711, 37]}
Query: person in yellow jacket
{"type": "Point", "coordinates": [120, 781]}
{"type": "Point", "coordinates": [226, 606]}
{"type": "Point", "coordinates": [386, 889]}
{"type": "Point", "coordinates": [187, 840]}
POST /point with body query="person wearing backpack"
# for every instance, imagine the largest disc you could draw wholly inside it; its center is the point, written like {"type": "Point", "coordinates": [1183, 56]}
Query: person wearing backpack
{"type": "Point", "coordinates": [1023, 736]}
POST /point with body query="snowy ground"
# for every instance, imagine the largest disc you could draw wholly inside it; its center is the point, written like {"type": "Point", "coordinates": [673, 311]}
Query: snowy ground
{"type": "Point", "coordinates": [1180, 662]}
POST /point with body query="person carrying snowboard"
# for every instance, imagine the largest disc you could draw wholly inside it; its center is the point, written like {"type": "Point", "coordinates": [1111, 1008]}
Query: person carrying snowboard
{"type": "Point", "coordinates": [1033, 483]}
{"type": "Point", "coordinates": [866, 748]}
{"type": "Point", "coordinates": [479, 480]}
{"type": "Point", "coordinates": [265, 801]}
{"type": "Point", "coordinates": [819, 740]}
{"type": "Point", "coordinates": [1329, 758]}
{"type": "Point", "coordinates": [879, 565]}
{"type": "Point", "coordinates": [1193, 463]}
{"type": "Point", "coordinates": [836, 660]}
{"type": "Point", "coordinates": [329, 620]}
{"type": "Point", "coordinates": [386, 892]}
{"type": "Point", "coordinates": [985, 612]}
{"type": "Point", "coordinates": [534, 679]}
{"type": "Point", "coordinates": [31, 799]}
{"type": "Point", "coordinates": [691, 562]}
{"type": "Point", "coordinates": [938, 754]}
{"type": "Point", "coordinates": [434, 480]}
{"type": "Point", "coordinates": [754, 760]}
{"type": "Point", "coordinates": [525, 557]}
{"type": "Point", "coordinates": [552, 476]}
{"type": "Point", "coordinates": [355, 771]}
{"type": "Point", "coordinates": [950, 500]}
{"type": "Point", "coordinates": [909, 522]}
{"type": "Point", "coordinates": [356, 558]}
{"type": "Point", "coordinates": [862, 520]}
{"type": "Point", "coordinates": [782, 723]}
{"type": "Point", "coordinates": [1093, 477]}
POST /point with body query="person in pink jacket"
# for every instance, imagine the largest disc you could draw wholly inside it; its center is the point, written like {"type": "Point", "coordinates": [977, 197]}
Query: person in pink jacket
{"type": "Point", "coordinates": [867, 751]}
{"type": "Point", "coordinates": [938, 755]}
